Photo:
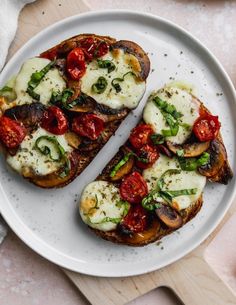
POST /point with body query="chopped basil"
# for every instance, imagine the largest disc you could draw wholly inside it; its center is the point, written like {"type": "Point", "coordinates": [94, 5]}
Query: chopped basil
{"type": "Point", "coordinates": [8, 93]}
{"type": "Point", "coordinates": [192, 164]}
{"type": "Point", "coordinates": [180, 152]}
{"type": "Point", "coordinates": [157, 139]}
{"type": "Point", "coordinates": [115, 82]}
{"type": "Point", "coordinates": [150, 202]}
{"type": "Point", "coordinates": [36, 78]}
{"type": "Point", "coordinates": [62, 98]}
{"type": "Point", "coordinates": [120, 164]}
{"type": "Point", "coordinates": [106, 64]}
{"type": "Point", "coordinates": [115, 220]}
{"type": "Point", "coordinates": [45, 150]}
{"type": "Point", "coordinates": [171, 116]}
{"type": "Point", "coordinates": [100, 86]}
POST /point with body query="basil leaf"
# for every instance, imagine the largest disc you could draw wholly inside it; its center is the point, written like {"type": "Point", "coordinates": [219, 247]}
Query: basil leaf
{"type": "Point", "coordinates": [8, 93]}
{"type": "Point", "coordinates": [120, 164]}
{"type": "Point", "coordinates": [160, 182]}
{"type": "Point", "coordinates": [100, 86]}
{"type": "Point", "coordinates": [157, 139]}
{"type": "Point", "coordinates": [181, 192]}
{"type": "Point", "coordinates": [45, 150]}
{"type": "Point", "coordinates": [106, 64]}
{"type": "Point", "coordinates": [116, 85]}
{"type": "Point", "coordinates": [62, 98]}
{"type": "Point", "coordinates": [167, 108]}
{"type": "Point", "coordinates": [191, 164]}
{"type": "Point", "coordinates": [107, 219]}
{"type": "Point", "coordinates": [36, 78]}
{"type": "Point", "coordinates": [180, 152]}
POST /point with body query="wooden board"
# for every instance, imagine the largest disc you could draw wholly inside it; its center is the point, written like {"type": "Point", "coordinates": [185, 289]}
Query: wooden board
{"type": "Point", "coordinates": [191, 278]}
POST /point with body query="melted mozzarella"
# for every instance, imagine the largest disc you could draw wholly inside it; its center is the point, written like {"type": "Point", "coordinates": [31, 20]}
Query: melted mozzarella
{"type": "Point", "coordinates": [99, 200]}
{"type": "Point", "coordinates": [183, 102]}
{"type": "Point", "coordinates": [183, 180]}
{"type": "Point", "coordinates": [29, 158]}
{"type": "Point", "coordinates": [51, 82]}
{"type": "Point", "coordinates": [132, 89]}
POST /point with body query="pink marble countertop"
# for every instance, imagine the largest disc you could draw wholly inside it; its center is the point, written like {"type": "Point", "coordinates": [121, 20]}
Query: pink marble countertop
{"type": "Point", "coordinates": [28, 279]}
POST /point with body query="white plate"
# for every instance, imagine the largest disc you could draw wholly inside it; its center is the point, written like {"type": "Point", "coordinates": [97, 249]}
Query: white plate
{"type": "Point", "coordinates": [47, 220]}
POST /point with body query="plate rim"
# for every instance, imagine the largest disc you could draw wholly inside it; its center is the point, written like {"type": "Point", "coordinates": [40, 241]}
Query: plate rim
{"type": "Point", "coordinates": [20, 228]}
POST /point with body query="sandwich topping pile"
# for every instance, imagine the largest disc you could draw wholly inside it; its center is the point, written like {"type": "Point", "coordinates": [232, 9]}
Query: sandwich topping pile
{"type": "Point", "coordinates": [65, 104]}
{"type": "Point", "coordinates": [154, 184]}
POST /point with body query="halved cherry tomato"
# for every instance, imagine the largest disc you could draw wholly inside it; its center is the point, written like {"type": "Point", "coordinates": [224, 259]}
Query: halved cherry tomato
{"type": "Point", "coordinates": [12, 133]}
{"type": "Point", "coordinates": [76, 63]}
{"type": "Point", "coordinates": [147, 155]}
{"type": "Point", "coordinates": [50, 54]}
{"type": "Point", "coordinates": [89, 46]}
{"type": "Point", "coordinates": [133, 188]}
{"type": "Point", "coordinates": [93, 48]}
{"type": "Point", "coordinates": [88, 125]}
{"type": "Point", "coordinates": [206, 127]}
{"type": "Point", "coordinates": [140, 135]}
{"type": "Point", "coordinates": [101, 49]}
{"type": "Point", "coordinates": [136, 219]}
{"type": "Point", "coordinates": [54, 121]}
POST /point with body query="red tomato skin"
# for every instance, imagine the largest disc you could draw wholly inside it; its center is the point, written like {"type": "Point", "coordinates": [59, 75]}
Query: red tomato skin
{"type": "Point", "coordinates": [140, 135]}
{"type": "Point", "coordinates": [206, 127]}
{"type": "Point", "coordinates": [136, 219]}
{"type": "Point", "coordinates": [147, 152]}
{"type": "Point", "coordinates": [54, 121]}
{"type": "Point", "coordinates": [76, 66]}
{"type": "Point", "coordinates": [12, 133]}
{"type": "Point", "coordinates": [101, 49]}
{"type": "Point", "coordinates": [88, 125]}
{"type": "Point", "coordinates": [133, 188]}
{"type": "Point", "coordinates": [88, 45]}
{"type": "Point", "coordinates": [50, 54]}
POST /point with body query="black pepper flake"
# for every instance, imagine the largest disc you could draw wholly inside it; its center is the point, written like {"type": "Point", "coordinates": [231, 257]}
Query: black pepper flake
{"type": "Point", "coordinates": [43, 12]}
{"type": "Point", "coordinates": [181, 52]}
{"type": "Point", "coordinates": [165, 55]}
{"type": "Point", "coordinates": [192, 72]}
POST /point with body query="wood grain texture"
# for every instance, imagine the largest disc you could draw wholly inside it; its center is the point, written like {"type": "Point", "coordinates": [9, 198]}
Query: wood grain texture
{"type": "Point", "coordinates": [191, 278]}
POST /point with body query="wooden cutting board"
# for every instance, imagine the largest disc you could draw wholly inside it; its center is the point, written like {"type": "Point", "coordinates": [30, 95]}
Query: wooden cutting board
{"type": "Point", "coordinates": [191, 278]}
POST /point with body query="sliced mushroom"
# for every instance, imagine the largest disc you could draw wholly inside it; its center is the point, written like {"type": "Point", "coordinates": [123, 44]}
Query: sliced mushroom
{"type": "Point", "coordinates": [84, 103]}
{"type": "Point", "coordinates": [122, 113]}
{"type": "Point", "coordinates": [73, 139]}
{"type": "Point", "coordinates": [169, 216]}
{"type": "Point", "coordinates": [134, 49]}
{"type": "Point", "coordinates": [218, 157]}
{"type": "Point", "coordinates": [189, 149]}
{"type": "Point", "coordinates": [29, 114]}
{"type": "Point", "coordinates": [124, 170]}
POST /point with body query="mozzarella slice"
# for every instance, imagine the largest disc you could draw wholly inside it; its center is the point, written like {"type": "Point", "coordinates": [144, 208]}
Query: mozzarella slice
{"type": "Point", "coordinates": [51, 82]}
{"type": "Point", "coordinates": [183, 180]}
{"type": "Point", "coordinates": [183, 102]}
{"type": "Point", "coordinates": [132, 89]}
{"type": "Point", "coordinates": [29, 158]}
{"type": "Point", "coordinates": [101, 202]}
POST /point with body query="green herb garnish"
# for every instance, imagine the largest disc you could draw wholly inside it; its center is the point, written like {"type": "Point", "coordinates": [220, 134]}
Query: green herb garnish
{"type": "Point", "coordinates": [192, 164]}
{"type": "Point", "coordinates": [106, 64]}
{"type": "Point", "coordinates": [8, 93]}
{"type": "Point", "coordinates": [62, 98]}
{"type": "Point", "coordinates": [120, 164]}
{"type": "Point", "coordinates": [157, 139]}
{"type": "Point", "coordinates": [100, 86]}
{"type": "Point", "coordinates": [35, 80]}
{"type": "Point", "coordinates": [115, 82]}
{"type": "Point", "coordinates": [61, 154]}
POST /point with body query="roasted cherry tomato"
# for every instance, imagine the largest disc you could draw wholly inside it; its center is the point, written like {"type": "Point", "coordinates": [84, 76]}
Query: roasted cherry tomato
{"type": "Point", "coordinates": [89, 46]}
{"type": "Point", "coordinates": [140, 135]}
{"type": "Point", "coordinates": [54, 121]}
{"type": "Point", "coordinates": [147, 155]}
{"type": "Point", "coordinates": [76, 63]}
{"type": "Point", "coordinates": [133, 188]}
{"type": "Point", "coordinates": [101, 49]}
{"type": "Point", "coordinates": [206, 127]}
{"type": "Point", "coordinates": [12, 132]}
{"type": "Point", "coordinates": [93, 48]}
{"type": "Point", "coordinates": [50, 54]}
{"type": "Point", "coordinates": [88, 125]}
{"type": "Point", "coordinates": [136, 219]}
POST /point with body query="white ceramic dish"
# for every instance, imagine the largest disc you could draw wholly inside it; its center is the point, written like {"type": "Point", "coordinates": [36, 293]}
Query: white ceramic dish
{"type": "Point", "coordinates": [47, 220]}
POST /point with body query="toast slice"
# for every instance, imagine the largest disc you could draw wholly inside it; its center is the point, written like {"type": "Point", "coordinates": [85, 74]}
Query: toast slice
{"type": "Point", "coordinates": [100, 96]}
{"type": "Point", "coordinates": [179, 170]}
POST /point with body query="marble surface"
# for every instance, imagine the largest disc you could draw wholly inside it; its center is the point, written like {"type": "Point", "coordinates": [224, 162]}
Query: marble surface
{"type": "Point", "coordinates": [26, 278]}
